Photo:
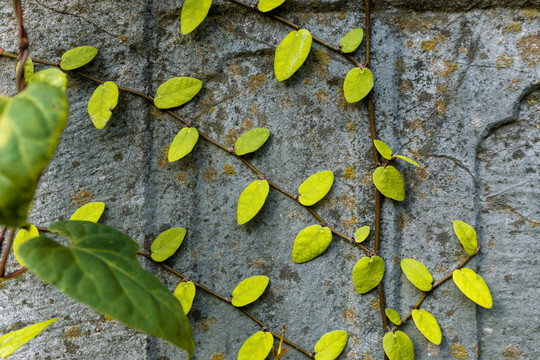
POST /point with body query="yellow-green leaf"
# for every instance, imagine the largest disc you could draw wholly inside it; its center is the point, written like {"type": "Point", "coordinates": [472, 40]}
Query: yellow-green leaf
{"type": "Point", "coordinates": [358, 83]}
{"type": "Point", "coordinates": [267, 5]}
{"type": "Point", "coordinates": [9, 343]}
{"type": "Point", "coordinates": [102, 103]}
{"type": "Point", "coordinates": [315, 187]}
{"type": "Point", "coordinates": [473, 286]}
{"type": "Point", "coordinates": [467, 235]}
{"type": "Point", "coordinates": [183, 143]}
{"type": "Point", "coordinates": [167, 243]}
{"type": "Point", "coordinates": [52, 76]}
{"type": "Point", "coordinates": [417, 273]}
{"type": "Point", "coordinates": [291, 53]}
{"type": "Point", "coordinates": [193, 14]}
{"type": "Point", "coordinates": [428, 325]}
{"type": "Point", "coordinates": [310, 243]}
{"type": "Point", "coordinates": [330, 345]}
{"type": "Point", "coordinates": [368, 273]}
{"type": "Point", "coordinates": [398, 346]}
{"type": "Point", "coordinates": [389, 182]}
{"type": "Point", "coordinates": [23, 236]}
{"type": "Point", "coordinates": [257, 347]}
{"type": "Point", "coordinates": [176, 91]}
{"type": "Point", "coordinates": [393, 315]}
{"type": "Point", "coordinates": [351, 40]}
{"type": "Point", "coordinates": [249, 290]}
{"type": "Point", "coordinates": [185, 293]}
{"type": "Point", "coordinates": [251, 141]}
{"type": "Point", "coordinates": [383, 149]}
{"type": "Point", "coordinates": [77, 57]}
{"type": "Point", "coordinates": [361, 234]}
{"type": "Point", "coordinates": [89, 212]}
{"type": "Point", "coordinates": [28, 68]}
{"type": "Point", "coordinates": [251, 200]}
{"type": "Point", "coordinates": [409, 160]}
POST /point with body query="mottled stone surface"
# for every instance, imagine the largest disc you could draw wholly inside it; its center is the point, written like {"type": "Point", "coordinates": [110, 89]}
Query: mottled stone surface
{"type": "Point", "coordinates": [456, 89]}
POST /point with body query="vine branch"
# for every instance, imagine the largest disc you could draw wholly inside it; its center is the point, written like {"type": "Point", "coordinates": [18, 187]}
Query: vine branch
{"type": "Point", "coordinates": [23, 45]}
{"type": "Point", "coordinates": [6, 252]}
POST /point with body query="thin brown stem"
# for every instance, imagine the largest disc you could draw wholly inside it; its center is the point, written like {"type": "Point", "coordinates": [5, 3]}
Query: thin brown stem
{"type": "Point", "coordinates": [6, 252]}
{"type": "Point", "coordinates": [15, 273]}
{"type": "Point", "coordinates": [2, 234]}
{"type": "Point", "coordinates": [228, 301]}
{"type": "Point", "coordinates": [23, 46]}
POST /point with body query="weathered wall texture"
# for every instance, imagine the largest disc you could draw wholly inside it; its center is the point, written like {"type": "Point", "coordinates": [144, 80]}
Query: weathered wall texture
{"type": "Point", "coordinates": [456, 89]}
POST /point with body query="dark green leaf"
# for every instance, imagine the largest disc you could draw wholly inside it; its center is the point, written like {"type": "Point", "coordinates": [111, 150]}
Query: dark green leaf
{"type": "Point", "coordinates": [193, 14]}
{"type": "Point", "coordinates": [176, 91]}
{"type": "Point", "coordinates": [77, 57]}
{"type": "Point", "coordinates": [251, 141]}
{"type": "Point", "coordinates": [167, 243]}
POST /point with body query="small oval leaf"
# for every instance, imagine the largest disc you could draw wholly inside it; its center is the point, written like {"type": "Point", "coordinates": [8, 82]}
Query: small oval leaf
{"type": "Point", "coordinates": [267, 5]}
{"type": "Point", "coordinates": [393, 315]}
{"type": "Point", "coordinates": [291, 53]}
{"type": "Point", "coordinates": [23, 236]}
{"type": "Point", "coordinates": [183, 143]}
{"type": "Point", "coordinates": [185, 293]}
{"type": "Point", "coordinates": [251, 141]}
{"type": "Point", "coordinates": [383, 149]}
{"type": "Point", "coordinates": [28, 68]}
{"type": "Point", "coordinates": [315, 187]}
{"type": "Point", "coordinates": [330, 345]}
{"type": "Point", "coordinates": [176, 91]}
{"type": "Point", "coordinates": [428, 325]}
{"type": "Point", "coordinates": [473, 286]}
{"type": "Point", "coordinates": [52, 76]}
{"type": "Point", "coordinates": [102, 103]}
{"type": "Point", "coordinates": [358, 83]}
{"type": "Point", "coordinates": [361, 234]}
{"type": "Point", "coordinates": [9, 343]}
{"type": "Point", "coordinates": [352, 40]}
{"type": "Point", "coordinates": [310, 243]}
{"type": "Point", "coordinates": [398, 346]}
{"type": "Point", "coordinates": [257, 347]}
{"type": "Point", "coordinates": [368, 273]}
{"type": "Point", "coordinates": [389, 182]}
{"type": "Point", "coordinates": [251, 200]}
{"type": "Point", "coordinates": [409, 160]}
{"type": "Point", "coordinates": [417, 273]}
{"type": "Point", "coordinates": [167, 243]}
{"type": "Point", "coordinates": [193, 14]}
{"type": "Point", "coordinates": [466, 235]}
{"type": "Point", "coordinates": [249, 290]}
{"type": "Point", "coordinates": [89, 212]}
{"type": "Point", "coordinates": [77, 57]}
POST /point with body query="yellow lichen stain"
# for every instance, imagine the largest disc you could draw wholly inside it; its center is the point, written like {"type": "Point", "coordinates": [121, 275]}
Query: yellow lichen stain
{"type": "Point", "coordinates": [529, 14]}
{"type": "Point", "coordinates": [504, 61]}
{"type": "Point", "coordinates": [205, 101]}
{"type": "Point", "coordinates": [513, 85]}
{"type": "Point", "coordinates": [2, 285]}
{"type": "Point", "coordinates": [233, 69]}
{"type": "Point", "coordinates": [286, 103]}
{"type": "Point", "coordinates": [209, 175]}
{"type": "Point", "coordinates": [82, 197]}
{"type": "Point", "coordinates": [401, 65]}
{"type": "Point", "coordinates": [217, 356]}
{"type": "Point", "coordinates": [341, 15]}
{"type": "Point", "coordinates": [212, 109]}
{"type": "Point", "coordinates": [218, 254]}
{"type": "Point", "coordinates": [256, 80]}
{"type": "Point", "coordinates": [342, 103]}
{"type": "Point", "coordinates": [229, 170]}
{"type": "Point", "coordinates": [247, 124]}
{"type": "Point", "coordinates": [204, 324]}
{"type": "Point", "coordinates": [348, 201]}
{"type": "Point", "coordinates": [258, 263]}
{"type": "Point", "coordinates": [441, 106]}
{"type": "Point", "coordinates": [366, 178]}
{"type": "Point", "coordinates": [374, 304]}
{"type": "Point", "coordinates": [367, 356]}
{"type": "Point", "coordinates": [534, 223]}
{"type": "Point", "coordinates": [413, 22]}
{"type": "Point", "coordinates": [348, 314]}
{"type": "Point", "coordinates": [402, 221]}
{"type": "Point", "coordinates": [531, 100]}
{"type": "Point", "coordinates": [229, 28]}
{"type": "Point", "coordinates": [459, 352]}
{"type": "Point", "coordinates": [428, 45]}
{"type": "Point", "coordinates": [349, 173]}
{"type": "Point", "coordinates": [107, 318]}
{"type": "Point", "coordinates": [230, 137]}
{"type": "Point", "coordinates": [350, 127]}
{"type": "Point", "coordinates": [405, 86]}
{"type": "Point", "coordinates": [409, 43]}
{"type": "Point", "coordinates": [441, 269]}
{"type": "Point", "coordinates": [307, 81]}
{"type": "Point", "coordinates": [322, 61]}
{"type": "Point", "coordinates": [73, 332]}
{"type": "Point", "coordinates": [253, 109]}
{"type": "Point", "coordinates": [463, 50]}
{"type": "Point", "coordinates": [163, 161]}
{"type": "Point", "coordinates": [123, 38]}
{"type": "Point", "coordinates": [513, 27]}
{"type": "Point", "coordinates": [440, 38]}
{"type": "Point", "coordinates": [443, 67]}
{"type": "Point", "coordinates": [511, 352]}
{"type": "Point", "coordinates": [321, 95]}
{"type": "Point", "coordinates": [181, 177]}
{"type": "Point", "coordinates": [421, 173]}
{"type": "Point", "coordinates": [441, 88]}
{"type": "Point", "coordinates": [529, 49]}
{"type": "Point", "coordinates": [350, 223]}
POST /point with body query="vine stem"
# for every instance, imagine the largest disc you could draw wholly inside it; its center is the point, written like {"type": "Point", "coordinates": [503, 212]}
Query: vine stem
{"type": "Point", "coordinates": [2, 234]}
{"type": "Point", "coordinates": [228, 301]}
{"type": "Point", "coordinates": [6, 252]}
{"type": "Point", "coordinates": [23, 45]}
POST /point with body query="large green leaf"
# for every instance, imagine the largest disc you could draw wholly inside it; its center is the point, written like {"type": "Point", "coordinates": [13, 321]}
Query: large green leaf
{"type": "Point", "coordinates": [9, 343]}
{"type": "Point", "coordinates": [251, 141]}
{"type": "Point", "coordinates": [193, 14]}
{"type": "Point", "coordinates": [251, 200]}
{"type": "Point", "coordinates": [77, 57]}
{"type": "Point", "coordinates": [330, 345]}
{"type": "Point", "coordinates": [52, 76]}
{"type": "Point", "coordinates": [183, 143]}
{"type": "Point", "coordinates": [310, 243]}
{"type": "Point", "coordinates": [89, 212]}
{"type": "Point", "coordinates": [351, 40]}
{"type": "Point", "coordinates": [358, 83]}
{"type": "Point", "coordinates": [393, 315]}
{"type": "Point", "coordinates": [167, 243]}
{"type": "Point", "coordinates": [473, 286]}
{"type": "Point", "coordinates": [176, 91]}
{"type": "Point", "coordinates": [99, 268]}
{"type": "Point", "coordinates": [30, 125]}
{"type": "Point", "coordinates": [185, 293]}
{"type": "Point", "coordinates": [315, 187]}
{"type": "Point", "coordinates": [417, 273]}
{"type": "Point", "coordinates": [23, 235]}
{"type": "Point", "coordinates": [389, 182]}
{"type": "Point", "coordinates": [267, 5]}
{"type": "Point", "coordinates": [257, 347]}
{"type": "Point", "coordinates": [398, 346]}
{"type": "Point", "coordinates": [368, 273]}
{"type": "Point", "coordinates": [466, 235]}
{"type": "Point", "coordinates": [291, 53]}
{"type": "Point", "coordinates": [383, 149]}
{"type": "Point", "coordinates": [249, 290]}
{"type": "Point", "coordinates": [102, 103]}
{"type": "Point", "coordinates": [428, 325]}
